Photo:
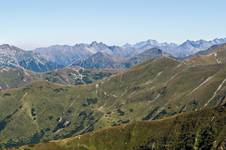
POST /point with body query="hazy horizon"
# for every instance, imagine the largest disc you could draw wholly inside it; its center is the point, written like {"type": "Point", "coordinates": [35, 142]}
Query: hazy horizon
{"type": "Point", "coordinates": [31, 24]}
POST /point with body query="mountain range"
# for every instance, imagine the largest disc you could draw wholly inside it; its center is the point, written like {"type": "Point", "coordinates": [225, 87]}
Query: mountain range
{"type": "Point", "coordinates": [135, 97]}
{"type": "Point", "coordinates": [99, 54]}
{"type": "Point", "coordinates": [182, 50]}
{"type": "Point", "coordinates": [154, 91]}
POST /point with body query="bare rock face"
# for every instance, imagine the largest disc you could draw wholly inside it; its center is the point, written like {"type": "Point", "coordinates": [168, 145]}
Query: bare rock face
{"type": "Point", "coordinates": [11, 56]}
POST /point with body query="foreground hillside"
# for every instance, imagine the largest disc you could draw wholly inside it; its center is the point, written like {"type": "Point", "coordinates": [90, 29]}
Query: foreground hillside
{"type": "Point", "coordinates": [204, 130]}
{"type": "Point", "coordinates": [43, 111]}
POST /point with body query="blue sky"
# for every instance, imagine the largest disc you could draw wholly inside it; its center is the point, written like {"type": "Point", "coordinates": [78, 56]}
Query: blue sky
{"type": "Point", "coordinates": [34, 23]}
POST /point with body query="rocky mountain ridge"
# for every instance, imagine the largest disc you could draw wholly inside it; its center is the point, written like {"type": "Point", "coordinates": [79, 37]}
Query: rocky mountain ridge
{"type": "Point", "coordinates": [59, 56]}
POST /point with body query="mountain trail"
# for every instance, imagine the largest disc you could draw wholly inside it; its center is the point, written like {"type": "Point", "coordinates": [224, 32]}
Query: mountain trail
{"type": "Point", "coordinates": [215, 93]}
{"type": "Point", "coordinates": [204, 82]}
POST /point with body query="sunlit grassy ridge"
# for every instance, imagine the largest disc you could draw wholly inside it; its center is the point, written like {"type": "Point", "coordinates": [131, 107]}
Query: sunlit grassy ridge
{"type": "Point", "coordinates": [203, 129]}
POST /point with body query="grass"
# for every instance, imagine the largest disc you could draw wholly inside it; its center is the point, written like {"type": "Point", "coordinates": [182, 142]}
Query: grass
{"type": "Point", "coordinates": [196, 130]}
{"type": "Point", "coordinates": [17, 77]}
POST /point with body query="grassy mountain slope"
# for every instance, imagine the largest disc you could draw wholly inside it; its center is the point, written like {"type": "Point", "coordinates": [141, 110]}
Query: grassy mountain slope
{"type": "Point", "coordinates": [204, 129]}
{"type": "Point", "coordinates": [76, 76]}
{"type": "Point", "coordinates": [17, 77]}
{"type": "Point", "coordinates": [214, 55]}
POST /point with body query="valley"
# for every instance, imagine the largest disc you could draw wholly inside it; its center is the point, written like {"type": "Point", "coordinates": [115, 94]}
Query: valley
{"type": "Point", "coordinates": [17, 77]}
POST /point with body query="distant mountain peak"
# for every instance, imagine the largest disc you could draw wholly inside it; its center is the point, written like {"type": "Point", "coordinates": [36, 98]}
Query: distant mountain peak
{"type": "Point", "coordinates": [94, 43]}
{"type": "Point", "coordinates": [99, 60]}
{"type": "Point", "coordinates": [127, 45]}
{"type": "Point", "coordinates": [101, 55]}
{"type": "Point", "coordinates": [5, 45]}
{"type": "Point", "coordinates": [150, 41]}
